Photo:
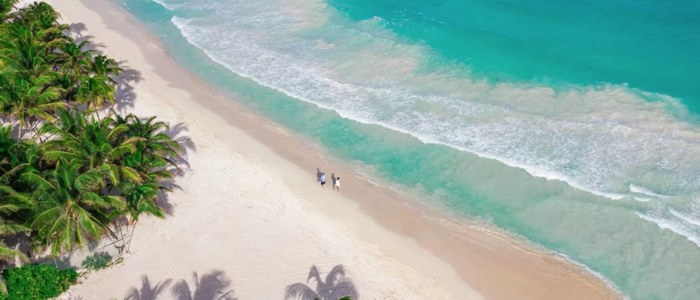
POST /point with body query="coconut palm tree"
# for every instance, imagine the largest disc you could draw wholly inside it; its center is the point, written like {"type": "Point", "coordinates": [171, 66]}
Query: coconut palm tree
{"type": "Point", "coordinates": [7, 146]}
{"type": "Point", "coordinates": [74, 58]}
{"type": "Point", "coordinates": [77, 173]}
{"type": "Point", "coordinates": [105, 66]}
{"type": "Point", "coordinates": [69, 207]}
{"type": "Point", "coordinates": [8, 228]}
{"type": "Point", "coordinates": [41, 14]}
{"type": "Point", "coordinates": [24, 50]}
{"type": "Point", "coordinates": [6, 7]}
{"type": "Point", "coordinates": [336, 286]}
{"type": "Point", "coordinates": [156, 152]}
{"type": "Point", "coordinates": [17, 156]}
{"type": "Point", "coordinates": [28, 101]}
{"type": "Point", "coordinates": [98, 144]}
{"type": "Point", "coordinates": [96, 91]}
{"type": "Point", "coordinates": [10, 202]}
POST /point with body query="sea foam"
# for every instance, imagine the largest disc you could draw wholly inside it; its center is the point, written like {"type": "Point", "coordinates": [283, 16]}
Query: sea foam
{"type": "Point", "coordinates": [595, 138]}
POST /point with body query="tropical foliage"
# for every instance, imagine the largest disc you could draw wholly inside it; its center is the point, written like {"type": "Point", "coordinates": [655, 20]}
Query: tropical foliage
{"type": "Point", "coordinates": [37, 281]}
{"type": "Point", "coordinates": [72, 170]}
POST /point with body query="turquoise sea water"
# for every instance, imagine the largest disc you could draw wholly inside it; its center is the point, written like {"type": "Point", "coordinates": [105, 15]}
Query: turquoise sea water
{"type": "Point", "coordinates": [571, 125]}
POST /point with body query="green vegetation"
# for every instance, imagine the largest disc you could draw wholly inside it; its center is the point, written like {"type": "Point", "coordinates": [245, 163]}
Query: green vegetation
{"type": "Point", "coordinates": [72, 170]}
{"type": "Point", "coordinates": [37, 281]}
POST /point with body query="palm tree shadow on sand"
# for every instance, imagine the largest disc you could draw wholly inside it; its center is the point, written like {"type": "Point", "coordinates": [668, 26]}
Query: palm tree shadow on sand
{"type": "Point", "coordinates": [335, 287]}
{"type": "Point", "coordinates": [147, 291]}
{"type": "Point", "coordinates": [214, 285]}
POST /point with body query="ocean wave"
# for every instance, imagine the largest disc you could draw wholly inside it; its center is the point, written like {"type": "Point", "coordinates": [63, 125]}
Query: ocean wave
{"type": "Point", "coordinates": [674, 226]}
{"type": "Point", "coordinates": [173, 5]}
{"type": "Point", "coordinates": [594, 138]}
{"type": "Point", "coordinates": [686, 217]}
{"type": "Point", "coordinates": [165, 4]}
{"type": "Point", "coordinates": [609, 140]}
{"type": "Point", "coordinates": [645, 191]}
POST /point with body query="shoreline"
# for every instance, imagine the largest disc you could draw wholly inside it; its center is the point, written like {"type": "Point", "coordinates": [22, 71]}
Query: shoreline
{"type": "Point", "coordinates": [467, 263]}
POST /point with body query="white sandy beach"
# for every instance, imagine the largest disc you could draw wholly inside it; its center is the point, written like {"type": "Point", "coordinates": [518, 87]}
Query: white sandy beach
{"type": "Point", "coordinates": [250, 207]}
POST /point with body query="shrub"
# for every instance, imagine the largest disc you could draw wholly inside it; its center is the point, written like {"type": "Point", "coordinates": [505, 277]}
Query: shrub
{"type": "Point", "coordinates": [99, 260]}
{"type": "Point", "coordinates": [38, 281]}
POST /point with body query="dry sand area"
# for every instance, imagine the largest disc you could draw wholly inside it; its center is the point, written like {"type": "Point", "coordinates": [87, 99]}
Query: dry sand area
{"type": "Point", "coordinates": [251, 218]}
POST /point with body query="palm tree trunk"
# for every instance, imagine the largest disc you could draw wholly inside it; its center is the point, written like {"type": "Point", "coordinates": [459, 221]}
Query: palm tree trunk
{"type": "Point", "coordinates": [128, 249]}
{"type": "Point", "coordinates": [121, 238]}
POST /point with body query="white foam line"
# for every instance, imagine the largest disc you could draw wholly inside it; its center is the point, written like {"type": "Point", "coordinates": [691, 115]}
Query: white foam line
{"type": "Point", "coordinates": [166, 5]}
{"type": "Point", "coordinates": [642, 190]}
{"type": "Point", "coordinates": [641, 199]}
{"type": "Point", "coordinates": [532, 170]}
{"type": "Point", "coordinates": [673, 227]}
{"type": "Point", "coordinates": [687, 218]}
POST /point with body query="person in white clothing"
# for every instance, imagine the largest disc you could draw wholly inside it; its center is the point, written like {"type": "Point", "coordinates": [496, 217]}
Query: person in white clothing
{"type": "Point", "coordinates": [337, 184]}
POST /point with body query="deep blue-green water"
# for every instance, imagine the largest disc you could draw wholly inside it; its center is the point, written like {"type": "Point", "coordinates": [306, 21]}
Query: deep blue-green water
{"type": "Point", "coordinates": [572, 125]}
{"type": "Point", "coordinates": [649, 45]}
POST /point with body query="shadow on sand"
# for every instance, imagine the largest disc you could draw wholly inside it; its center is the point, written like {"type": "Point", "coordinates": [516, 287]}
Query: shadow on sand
{"type": "Point", "coordinates": [335, 287]}
{"type": "Point", "coordinates": [214, 285]}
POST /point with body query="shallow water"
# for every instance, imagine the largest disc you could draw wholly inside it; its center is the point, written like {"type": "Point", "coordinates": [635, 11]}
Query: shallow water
{"type": "Point", "coordinates": [599, 163]}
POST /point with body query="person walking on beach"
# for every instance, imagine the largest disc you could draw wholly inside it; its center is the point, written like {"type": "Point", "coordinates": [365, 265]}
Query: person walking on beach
{"type": "Point", "coordinates": [336, 186]}
{"type": "Point", "coordinates": [318, 175]}
{"type": "Point", "coordinates": [333, 180]}
{"type": "Point", "coordinates": [323, 180]}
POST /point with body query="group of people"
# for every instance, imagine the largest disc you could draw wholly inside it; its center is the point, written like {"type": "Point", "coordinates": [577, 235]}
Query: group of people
{"type": "Point", "coordinates": [321, 178]}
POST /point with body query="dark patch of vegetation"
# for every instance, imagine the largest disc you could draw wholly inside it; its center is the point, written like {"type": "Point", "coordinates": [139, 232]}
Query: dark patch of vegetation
{"type": "Point", "coordinates": [37, 281]}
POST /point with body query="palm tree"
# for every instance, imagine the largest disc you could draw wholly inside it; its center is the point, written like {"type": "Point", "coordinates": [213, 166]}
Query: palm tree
{"type": "Point", "coordinates": [212, 286]}
{"type": "Point", "coordinates": [7, 146]}
{"type": "Point", "coordinates": [22, 51]}
{"type": "Point", "coordinates": [336, 286]}
{"type": "Point", "coordinates": [153, 158]}
{"type": "Point", "coordinates": [98, 144]}
{"type": "Point", "coordinates": [156, 152]}
{"type": "Point", "coordinates": [74, 59]}
{"type": "Point", "coordinates": [8, 254]}
{"type": "Point", "coordinates": [10, 202]}
{"type": "Point", "coordinates": [69, 207]}
{"type": "Point", "coordinates": [105, 66]}
{"type": "Point", "coordinates": [27, 100]}
{"type": "Point", "coordinates": [96, 91]}
{"type": "Point", "coordinates": [8, 228]}
{"type": "Point", "coordinates": [17, 156]}
{"type": "Point", "coordinates": [6, 6]}
{"type": "Point", "coordinates": [77, 174]}
{"type": "Point", "coordinates": [41, 14]}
